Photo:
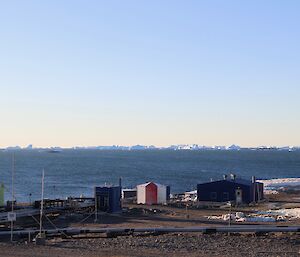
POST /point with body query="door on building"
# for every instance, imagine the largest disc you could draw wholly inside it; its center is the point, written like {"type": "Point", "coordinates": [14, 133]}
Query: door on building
{"type": "Point", "coordinates": [238, 196]}
{"type": "Point", "coordinates": [103, 202]}
{"type": "Point", "coordinates": [225, 196]}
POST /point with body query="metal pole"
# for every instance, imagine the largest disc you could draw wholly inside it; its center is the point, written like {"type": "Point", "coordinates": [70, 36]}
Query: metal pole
{"type": "Point", "coordinates": [13, 196]}
{"type": "Point", "coordinates": [96, 207]}
{"type": "Point", "coordinates": [230, 214]}
{"type": "Point", "coordinates": [186, 211]}
{"type": "Point", "coordinates": [254, 188]}
{"type": "Point", "coordinates": [42, 202]}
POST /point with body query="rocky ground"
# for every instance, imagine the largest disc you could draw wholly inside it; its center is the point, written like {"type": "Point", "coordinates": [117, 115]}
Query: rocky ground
{"type": "Point", "coordinates": [164, 245]}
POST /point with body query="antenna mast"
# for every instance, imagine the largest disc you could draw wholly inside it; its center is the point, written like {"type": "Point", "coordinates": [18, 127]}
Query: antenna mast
{"type": "Point", "coordinates": [42, 202]}
{"type": "Point", "coordinates": [13, 195]}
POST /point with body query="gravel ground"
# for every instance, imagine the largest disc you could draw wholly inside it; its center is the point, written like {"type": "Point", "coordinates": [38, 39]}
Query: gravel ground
{"type": "Point", "coordinates": [164, 245]}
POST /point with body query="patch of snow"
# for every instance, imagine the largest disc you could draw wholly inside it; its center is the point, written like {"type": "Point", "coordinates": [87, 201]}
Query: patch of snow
{"type": "Point", "coordinates": [214, 217]}
{"type": "Point", "coordinates": [226, 217]}
{"type": "Point", "coordinates": [190, 196]}
{"type": "Point", "coordinates": [271, 186]}
{"type": "Point", "coordinates": [280, 182]}
{"type": "Point", "coordinates": [270, 192]}
{"type": "Point", "coordinates": [239, 215]}
{"type": "Point", "coordinates": [233, 216]}
{"type": "Point", "coordinates": [256, 217]}
{"type": "Point", "coordinates": [293, 213]}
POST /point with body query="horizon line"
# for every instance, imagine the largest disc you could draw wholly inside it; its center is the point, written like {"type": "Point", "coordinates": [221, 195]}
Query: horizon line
{"type": "Point", "coordinates": [199, 146]}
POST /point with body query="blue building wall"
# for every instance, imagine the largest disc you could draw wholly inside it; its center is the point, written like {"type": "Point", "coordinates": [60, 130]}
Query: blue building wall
{"type": "Point", "coordinates": [225, 190]}
{"type": "Point", "coordinates": [108, 199]}
{"type": "Point", "coordinates": [168, 193]}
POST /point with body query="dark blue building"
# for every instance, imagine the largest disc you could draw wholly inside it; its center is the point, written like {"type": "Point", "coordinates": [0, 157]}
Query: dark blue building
{"type": "Point", "coordinates": [108, 198]}
{"type": "Point", "coordinates": [168, 193]}
{"type": "Point", "coordinates": [231, 189]}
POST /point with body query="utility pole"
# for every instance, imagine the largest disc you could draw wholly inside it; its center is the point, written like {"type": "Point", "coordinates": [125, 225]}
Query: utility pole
{"type": "Point", "coordinates": [230, 205]}
{"type": "Point", "coordinates": [187, 216]}
{"type": "Point", "coordinates": [96, 206]}
{"type": "Point", "coordinates": [42, 203]}
{"type": "Point", "coordinates": [40, 239]}
{"type": "Point", "coordinates": [13, 195]}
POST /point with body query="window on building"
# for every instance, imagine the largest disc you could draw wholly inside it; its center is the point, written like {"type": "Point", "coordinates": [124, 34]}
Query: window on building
{"type": "Point", "coordinates": [225, 196]}
{"type": "Point", "coordinates": [213, 195]}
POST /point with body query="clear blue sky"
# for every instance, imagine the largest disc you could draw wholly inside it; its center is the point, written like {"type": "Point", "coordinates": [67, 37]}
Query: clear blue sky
{"type": "Point", "coordinates": [149, 72]}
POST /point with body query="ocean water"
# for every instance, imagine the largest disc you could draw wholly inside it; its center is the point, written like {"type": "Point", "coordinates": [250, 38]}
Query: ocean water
{"type": "Point", "coordinates": [76, 172]}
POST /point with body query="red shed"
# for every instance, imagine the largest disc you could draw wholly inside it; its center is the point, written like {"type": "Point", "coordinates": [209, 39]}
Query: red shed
{"type": "Point", "coordinates": [147, 193]}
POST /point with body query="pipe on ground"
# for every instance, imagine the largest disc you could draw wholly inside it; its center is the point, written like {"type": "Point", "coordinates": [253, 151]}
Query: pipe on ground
{"type": "Point", "coordinates": [223, 229]}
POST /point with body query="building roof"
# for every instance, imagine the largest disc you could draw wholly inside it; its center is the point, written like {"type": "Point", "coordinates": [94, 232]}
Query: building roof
{"type": "Point", "coordinates": [129, 189]}
{"type": "Point", "coordinates": [241, 181]}
{"type": "Point", "coordinates": [146, 184]}
{"type": "Point", "coordinates": [107, 186]}
{"type": "Point", "coordinates": [236, 181]}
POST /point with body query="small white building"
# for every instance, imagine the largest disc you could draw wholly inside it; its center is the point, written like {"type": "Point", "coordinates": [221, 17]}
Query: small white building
{"type": "Point", "coordinates": [162, 194]}
{"type": "Point", "coordinates": [128, 193]}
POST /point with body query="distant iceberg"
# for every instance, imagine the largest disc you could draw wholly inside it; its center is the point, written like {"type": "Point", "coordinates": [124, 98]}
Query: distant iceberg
{"type": "Point", "coordinates": [234, 147]}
